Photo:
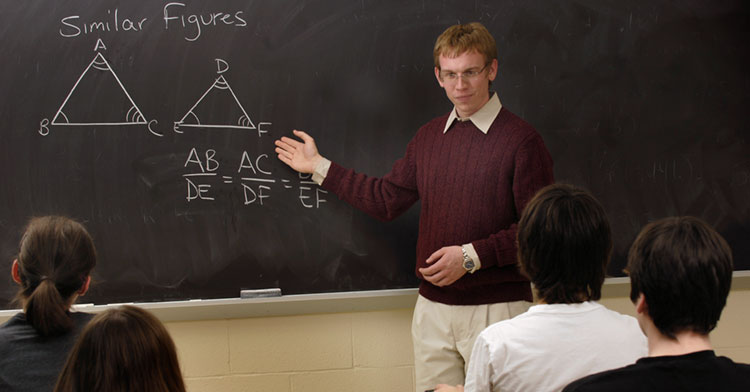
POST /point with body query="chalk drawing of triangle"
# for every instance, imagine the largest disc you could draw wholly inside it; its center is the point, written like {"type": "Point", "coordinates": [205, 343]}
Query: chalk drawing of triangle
{"type": "Point", "coordinates": [98, 98]}
{"type": "Point", "coordinates": [218, 108]}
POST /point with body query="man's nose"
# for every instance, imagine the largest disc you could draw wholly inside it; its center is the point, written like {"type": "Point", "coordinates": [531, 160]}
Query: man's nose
{"type": "Point", "coordinates": [460, 83]}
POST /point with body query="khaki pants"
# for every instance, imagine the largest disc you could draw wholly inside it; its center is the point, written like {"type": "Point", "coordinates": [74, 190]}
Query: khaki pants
{"type": "Point", "coordinates": [443, 337]}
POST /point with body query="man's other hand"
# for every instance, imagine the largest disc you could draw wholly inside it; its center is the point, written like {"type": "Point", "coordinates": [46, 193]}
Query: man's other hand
{"type": "Point", "coordinates": [447, 266]}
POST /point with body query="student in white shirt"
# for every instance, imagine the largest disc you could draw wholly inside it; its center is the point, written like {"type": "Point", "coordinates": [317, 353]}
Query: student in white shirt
{"type": "Point", "coordinates": [564, 245]}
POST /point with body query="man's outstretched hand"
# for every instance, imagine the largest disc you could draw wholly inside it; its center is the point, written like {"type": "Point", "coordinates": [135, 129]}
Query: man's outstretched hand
{"type": "Point", "coordinates": [301, 156]}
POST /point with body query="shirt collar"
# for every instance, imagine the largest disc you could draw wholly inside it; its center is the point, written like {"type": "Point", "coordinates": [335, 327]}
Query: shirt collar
{"type": "Point", "coordinates": [565, 308]}
{"type": "Point", "coordinates": [483, 118]}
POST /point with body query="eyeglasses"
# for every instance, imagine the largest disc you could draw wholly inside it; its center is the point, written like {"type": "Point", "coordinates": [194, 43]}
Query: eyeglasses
{"type": "Point", "coordinates": [468, 75]}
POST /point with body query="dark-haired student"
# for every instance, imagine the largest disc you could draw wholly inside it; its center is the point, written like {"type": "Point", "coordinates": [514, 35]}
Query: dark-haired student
{"type": "Point", "coordinates": [54, 262]}
{"type": "Point", "coordinates": [121, 350]}
{"type": "Point", "coordinates": [680, 272]}
{"type": "Point", "coordinates": [564, 245]}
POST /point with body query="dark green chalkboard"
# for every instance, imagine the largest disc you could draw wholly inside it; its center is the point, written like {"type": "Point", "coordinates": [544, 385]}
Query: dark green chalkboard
{"type": "Point", "coordinates": [153, 123]}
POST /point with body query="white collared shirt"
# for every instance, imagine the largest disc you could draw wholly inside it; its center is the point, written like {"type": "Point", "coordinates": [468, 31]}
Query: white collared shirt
{"type": "Point", "coordinates": [482, 119]}
{"type": "Point", "coordinates": [552, 345]}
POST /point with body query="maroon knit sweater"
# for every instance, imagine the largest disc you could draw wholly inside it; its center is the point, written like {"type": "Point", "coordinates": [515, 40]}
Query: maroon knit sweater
{"type": "Point", "coordinates": [472, 187]}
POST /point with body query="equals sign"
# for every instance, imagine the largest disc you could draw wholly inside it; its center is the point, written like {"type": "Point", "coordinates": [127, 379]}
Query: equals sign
{"type": "Point", "coordinates": [227, 179]}
{"type": "Point", "coordinates": [285, 184]}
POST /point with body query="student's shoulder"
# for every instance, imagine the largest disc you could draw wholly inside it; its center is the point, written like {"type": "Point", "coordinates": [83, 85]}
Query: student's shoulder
{"type": "Point", "coordinates": [18, 319]}
{"type": "Point", "coordinates": [740, 369]}
{"type": "Point", "coordinates": [505, 328]}
{"type": "Point", "coordinates": [615, 315]}
{"type": "Point", "coordinates": [80, 319]}
{"type": "Point", "coordinates": [621, 379]}
{"type": "Point", "coordinates": [11, 329]}
{"type": "Point", "coordinates": [625, 325]}
{"type": "Point", "coordinates": [81, 315]}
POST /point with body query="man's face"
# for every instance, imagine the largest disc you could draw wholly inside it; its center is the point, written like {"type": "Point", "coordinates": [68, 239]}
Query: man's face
{"type": "Point", "coordinates": [466, 80]}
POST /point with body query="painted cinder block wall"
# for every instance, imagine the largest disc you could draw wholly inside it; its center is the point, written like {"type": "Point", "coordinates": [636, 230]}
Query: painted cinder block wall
{"type": "Point", "coordinates": [350, 350]}
{"type": "Point", "coordinates": [353, 351]}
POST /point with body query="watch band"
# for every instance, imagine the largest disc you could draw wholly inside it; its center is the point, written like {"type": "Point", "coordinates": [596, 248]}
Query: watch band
{"type": "Point", "coordinates": [468, 262]}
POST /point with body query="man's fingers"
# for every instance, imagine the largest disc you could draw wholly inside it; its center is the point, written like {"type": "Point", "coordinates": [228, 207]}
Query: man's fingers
{"type": "Point", "coordinates": [433, 276]}
{"type": "Point", "coordinates": [441, 279]}
{"type": "Point", "coordinates": [429, 271]}
{"type": "Point", "coordinates": [285, 160]}
{"type": "Point", "coordinates": [282, 152]}
{"type": "Point", "coordinates": [436, 255]}
{"type": "Point", "coordinates": [435, 266]}
{"type": "Point", "coordinates": [288, 143]}
{"type": "Point", "coordinates": [430, 279]}
{"type": "Point", "coordinates": [303, 135]}
{"type": "Point", "coordinates": [282, 146]}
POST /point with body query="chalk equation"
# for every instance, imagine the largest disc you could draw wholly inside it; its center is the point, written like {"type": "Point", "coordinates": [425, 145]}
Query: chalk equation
{"type": "Point", "coordinates": [253, 175]}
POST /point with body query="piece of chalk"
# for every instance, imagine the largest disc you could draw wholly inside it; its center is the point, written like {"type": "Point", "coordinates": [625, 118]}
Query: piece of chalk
{"type": "Point", "coordinates": [260, 293]}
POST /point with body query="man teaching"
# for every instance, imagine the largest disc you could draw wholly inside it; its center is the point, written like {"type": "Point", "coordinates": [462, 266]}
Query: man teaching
{"type": "Point", "coordinates": [473, 169]}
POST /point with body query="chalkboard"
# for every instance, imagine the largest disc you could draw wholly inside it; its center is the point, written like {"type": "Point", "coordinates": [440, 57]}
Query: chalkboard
{"type": "Point", "coordinates": [153, 123]}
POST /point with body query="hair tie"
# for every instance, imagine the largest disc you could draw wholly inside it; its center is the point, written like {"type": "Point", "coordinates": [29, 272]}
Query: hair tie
{"type": "Point", "coordinates": [44, 278]}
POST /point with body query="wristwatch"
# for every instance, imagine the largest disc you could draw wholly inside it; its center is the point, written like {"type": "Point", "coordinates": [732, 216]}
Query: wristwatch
{"type": "Point", "coordinates": [468, 262]}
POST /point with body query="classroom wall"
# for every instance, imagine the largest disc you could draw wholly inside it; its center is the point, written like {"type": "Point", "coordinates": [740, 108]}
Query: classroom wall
{"type": "Point", "coordinates": [354, 351]}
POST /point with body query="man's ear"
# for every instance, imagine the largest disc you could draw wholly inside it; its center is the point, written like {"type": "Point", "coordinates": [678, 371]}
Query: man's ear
{"type": "Point", "coordinates": [15, 272]}
{"type": "Point", "coordinates": [437, 76]}
{"type": "Point", "coordinates": [641, 307]}
{"type": "Point", "coordinates": [492, 73]}
{"type": "Point", "coordinates": [85, 286]}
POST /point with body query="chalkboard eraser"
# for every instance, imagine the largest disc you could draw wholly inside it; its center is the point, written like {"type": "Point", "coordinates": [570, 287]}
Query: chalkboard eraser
{"type": "Point", "coordinates": [260, 293]}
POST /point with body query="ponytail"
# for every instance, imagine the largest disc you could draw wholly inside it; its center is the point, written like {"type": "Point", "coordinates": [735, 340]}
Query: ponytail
{"type": "Point", "coordinates": [56, 257]}
{"type": "Point", "coordinates": [46, 310]}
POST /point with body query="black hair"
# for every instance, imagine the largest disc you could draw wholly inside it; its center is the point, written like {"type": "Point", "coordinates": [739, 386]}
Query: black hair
{"type": "Point", "coordinates": [564, 244]}
{"type": "Point", "coordinates": [683, 267]}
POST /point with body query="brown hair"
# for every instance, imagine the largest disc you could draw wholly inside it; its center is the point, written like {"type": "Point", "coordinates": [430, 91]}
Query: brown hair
{"type": "Point", "coordinates": [683, 267]}
{"type": "Point", "coordinates": [55, 258]}
{"type": "Point", "coordinates": [462, 38]}
{"type": "Point", "coordinates": [122, 349]}
{"type": "Point", "coordinates": [564, 244]}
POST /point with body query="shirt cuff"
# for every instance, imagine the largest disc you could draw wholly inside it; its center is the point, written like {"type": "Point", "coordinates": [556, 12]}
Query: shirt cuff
{"type": "Point", "coordinates": [474, 256]}
{"type": "Point", "coordinates": [321, 171]}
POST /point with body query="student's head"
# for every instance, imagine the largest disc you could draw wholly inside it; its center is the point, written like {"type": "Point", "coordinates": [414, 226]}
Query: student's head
{"type": "Point", "coordinates": [465, 65]}
{"type": "Point", "coordinates": [122, 349]}
{"type": "Point", "coordinates": [683, 269]}
{"type": "Point", "coordinates": [564, 244]}
{"type": "Point", "coordinates": [56, 256]}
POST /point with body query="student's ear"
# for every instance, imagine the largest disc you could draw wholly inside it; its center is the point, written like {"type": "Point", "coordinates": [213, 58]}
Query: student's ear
{"type": "Point", "coordinates": [85, 286]}
{"type": "Point", "coordinates": [641, 307]}
{"type": "Point", "coordinates": [15, 272]}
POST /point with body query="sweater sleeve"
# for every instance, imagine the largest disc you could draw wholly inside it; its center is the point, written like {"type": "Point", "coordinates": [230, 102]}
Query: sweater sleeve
{"type": "Point", "coordinates": [382, 198]}
{"type": "Point", "coordinates": [532, 172]}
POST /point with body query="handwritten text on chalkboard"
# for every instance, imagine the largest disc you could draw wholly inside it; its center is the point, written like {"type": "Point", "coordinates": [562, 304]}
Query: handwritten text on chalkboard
{"type": "Point", "coordinates": [173, 16]}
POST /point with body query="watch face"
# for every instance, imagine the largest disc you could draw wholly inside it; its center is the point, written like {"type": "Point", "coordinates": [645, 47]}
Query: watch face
{"type": "Point", "coordinates": [468, 264]}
